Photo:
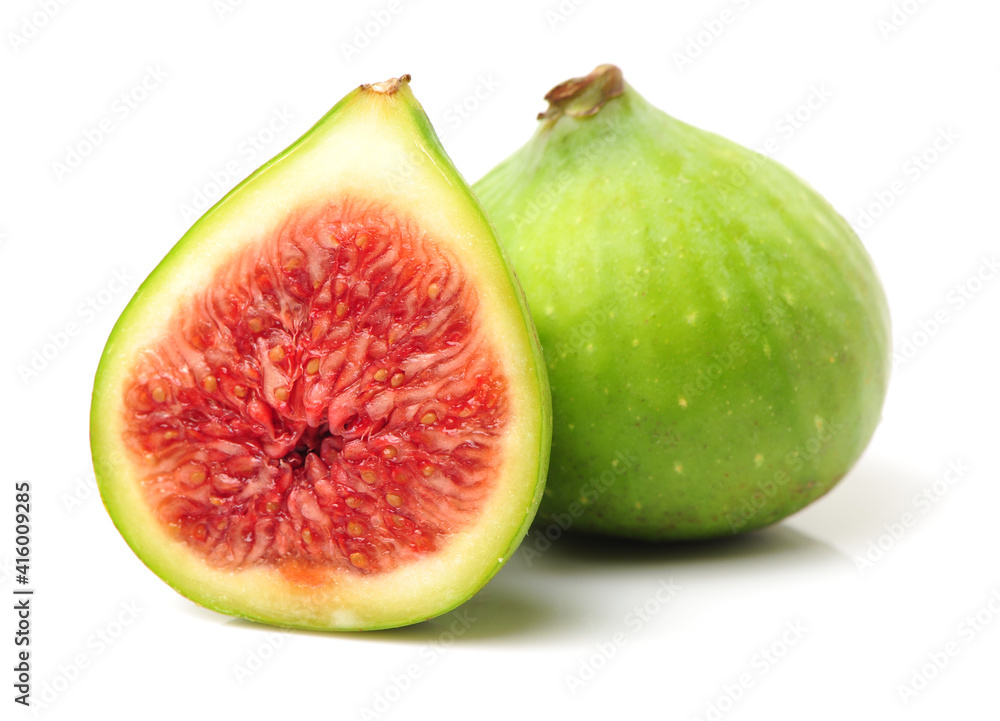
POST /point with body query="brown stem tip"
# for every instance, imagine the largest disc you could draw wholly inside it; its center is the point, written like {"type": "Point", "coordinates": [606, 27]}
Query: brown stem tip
{"type": "Point", "coordinates": [583, 97]}
{"type": "Point", "coordinates": [387, 87]}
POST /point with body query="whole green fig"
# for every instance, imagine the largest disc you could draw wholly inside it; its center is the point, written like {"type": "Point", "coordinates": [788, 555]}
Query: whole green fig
{"type": "Point", "coordinates": [717, 338]}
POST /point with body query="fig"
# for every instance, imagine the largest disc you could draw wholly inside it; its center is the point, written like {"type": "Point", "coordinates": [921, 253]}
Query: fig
{"type": "Point", "coordinates": [716, 336]}
{"type": "Point", "coordinates": [326, 407]}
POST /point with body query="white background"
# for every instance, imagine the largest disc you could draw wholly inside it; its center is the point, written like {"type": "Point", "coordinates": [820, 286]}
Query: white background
{"type": "Point", "coordinates": [110, 638]}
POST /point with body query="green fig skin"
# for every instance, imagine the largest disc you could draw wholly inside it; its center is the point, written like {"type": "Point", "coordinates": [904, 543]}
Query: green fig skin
{"type": "Point", "coordinates": [717, 339]}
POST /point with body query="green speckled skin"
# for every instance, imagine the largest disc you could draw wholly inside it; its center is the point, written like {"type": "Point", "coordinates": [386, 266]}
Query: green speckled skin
{"type": "Point", "coordinates": [717, 339]}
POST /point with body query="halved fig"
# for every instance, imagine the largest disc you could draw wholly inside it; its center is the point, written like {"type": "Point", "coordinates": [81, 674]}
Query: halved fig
{"type": "Point", "coordinates": [326, 407]}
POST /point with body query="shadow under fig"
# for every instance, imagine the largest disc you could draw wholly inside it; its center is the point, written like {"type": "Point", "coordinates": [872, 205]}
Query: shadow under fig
{"type": "Point", "coordinates": [875, 492]}
{"type": "Point", "coordinates": [500, 611]}
{"type": "Point", "coordinates": [530, 599]}
{"type": "Point", "coordinates": [525, 599]}
{"type": "Point", "coordinates": [583, 553]}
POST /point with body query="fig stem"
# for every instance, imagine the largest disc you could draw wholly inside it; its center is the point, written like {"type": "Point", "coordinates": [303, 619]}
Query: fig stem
{"type": "Point", "coordinates": [583, 97]}
{"type": "Point", "coordinates": [387, 87]}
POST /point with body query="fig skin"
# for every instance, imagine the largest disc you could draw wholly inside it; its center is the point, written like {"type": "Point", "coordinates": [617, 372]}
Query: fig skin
{"type": "Point", "coordinates": [717, 339]}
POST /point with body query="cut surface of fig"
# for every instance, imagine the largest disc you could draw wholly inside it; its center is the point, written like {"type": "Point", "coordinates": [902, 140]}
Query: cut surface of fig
{"type": "Point", "coordinates": [325, 408]}
{"type": "Point", "coordinates": [328, 401]}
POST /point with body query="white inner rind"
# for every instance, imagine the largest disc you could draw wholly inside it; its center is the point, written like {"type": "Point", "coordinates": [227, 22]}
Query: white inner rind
{"type": "Point", "coordinates": [369, 150]}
